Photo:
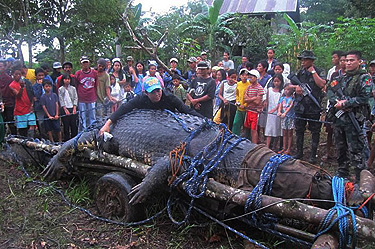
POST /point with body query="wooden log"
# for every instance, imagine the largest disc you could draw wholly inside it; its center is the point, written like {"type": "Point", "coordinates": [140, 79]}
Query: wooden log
{"type": "Point", "coordinates": [50, 148]}
{"type": "Point", "coordinates": [326, 241]}
{"type": "Point", "coordinates": [286, 208]}
{"type": "Point", "coordinates": [367, 184]}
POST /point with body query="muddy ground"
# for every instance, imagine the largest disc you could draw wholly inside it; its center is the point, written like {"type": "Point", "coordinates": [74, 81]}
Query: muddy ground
{"type": "Point", "coordinates": [35, 216]}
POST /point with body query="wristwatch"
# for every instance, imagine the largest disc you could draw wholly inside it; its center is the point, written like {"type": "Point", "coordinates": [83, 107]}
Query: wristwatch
{"type": "Point", "coordinates": [313, 71]}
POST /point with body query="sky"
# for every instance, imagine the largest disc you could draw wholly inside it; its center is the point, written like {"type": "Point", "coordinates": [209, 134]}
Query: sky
{"type": "Point", "coordinates": [159, 6]}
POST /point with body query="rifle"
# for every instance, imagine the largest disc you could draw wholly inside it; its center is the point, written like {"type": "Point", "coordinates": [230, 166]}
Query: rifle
{"type": "Point", "coordinates": [306, 90]}
{"type": "Point", "coordinates": [337, 89]}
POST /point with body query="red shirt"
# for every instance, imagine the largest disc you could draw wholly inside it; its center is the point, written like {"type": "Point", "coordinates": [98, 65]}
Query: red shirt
{"type": "Point", "coordinates": [86, 86]}
{"type": "Point", "coordinates": [23, 104]}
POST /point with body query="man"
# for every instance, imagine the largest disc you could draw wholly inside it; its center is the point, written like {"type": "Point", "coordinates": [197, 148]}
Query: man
{"type": "Point", "coordinates": [270, 59]}
{"type": "Point", "coordinates": [8, 97]}
{"type": "Point", "coordinates": [204, 58]}
{"type": "Point", "coordinates": [335, 62]}
{"type": "Point", "coordinates": [128, 74]}
{"type": "Point", "coordinates": [304, 107]}
{"type": "Point", "coordinates": [372, 69]}
{"type": "Point", "coordinates": [244, 61]}
{"type": "Point", "coordinates": [356, 86]}
{"type": "Point", "coordinates": [56, 71]}
{"type": "Point", "coordinates": [191, 74]}
{"type": "Point", "coordinates": [67, 67]}
{"type": "Point", "coordinates": [103, 89]}
{"type": "Point", "coordinates": [153, 98]}
{"type": "Point", "coordinates": [202, 91]}
{"type": "Point", "coordinates": [86, 89]}
{"type": "Point", "coordinates": [227, 64]}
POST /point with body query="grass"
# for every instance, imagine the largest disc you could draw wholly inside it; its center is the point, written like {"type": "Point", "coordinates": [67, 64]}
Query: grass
{"type": "Point", "coordinates": [79, 193]}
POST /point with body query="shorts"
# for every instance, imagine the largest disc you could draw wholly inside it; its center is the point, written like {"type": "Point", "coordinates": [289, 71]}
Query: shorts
{"type": "Point", "coordinates": [52, 125]}
{"type": "Point", "coordinates": [22, 121]}
{"type": "Point", "coordinates": [287, 123]}
{"type": "Point", "coordinates": [251, 120]}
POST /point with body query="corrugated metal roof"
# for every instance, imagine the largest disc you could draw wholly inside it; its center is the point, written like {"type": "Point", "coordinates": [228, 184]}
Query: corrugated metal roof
{"type": "Point", "coordinates": [257, 6]}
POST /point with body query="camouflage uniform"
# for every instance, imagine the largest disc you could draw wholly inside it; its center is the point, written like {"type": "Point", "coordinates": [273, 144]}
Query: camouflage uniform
{"type": "Point", "coordinates": [352, 148]}
{"type": "Point", "coordinates": [305, 108]}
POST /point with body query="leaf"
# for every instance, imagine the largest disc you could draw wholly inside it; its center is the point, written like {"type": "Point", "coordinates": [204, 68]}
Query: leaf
{"type": "Point", "coordinates": [292, 24]}
{"type": "Point", "coordinates": [214, 11]}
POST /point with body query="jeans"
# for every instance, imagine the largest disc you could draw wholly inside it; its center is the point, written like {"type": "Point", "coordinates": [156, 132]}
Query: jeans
{"type": "Point", "coordinates": [86, 114]}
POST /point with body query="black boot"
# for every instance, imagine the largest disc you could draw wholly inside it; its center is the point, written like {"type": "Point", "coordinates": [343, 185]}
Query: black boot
{"type": "Point", "coordinates": [299, 144]}
{"type": "Point", "coordinates": [314, 148]}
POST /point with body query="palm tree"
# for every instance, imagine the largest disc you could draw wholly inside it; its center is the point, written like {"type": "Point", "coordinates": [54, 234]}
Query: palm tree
{"type": "Point", "coordinates": [209, 26]}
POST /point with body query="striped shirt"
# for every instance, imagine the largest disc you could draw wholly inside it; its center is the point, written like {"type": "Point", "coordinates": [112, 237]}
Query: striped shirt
{"type": "Point", "coordinates": [253, 91]}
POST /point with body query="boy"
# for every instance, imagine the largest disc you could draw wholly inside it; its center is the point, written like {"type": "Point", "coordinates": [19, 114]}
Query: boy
{"type": "Point", "coordinates": [50, 105]}
{"type": "Point", "coordinates": [23, 109]}
{"type": "Point", "coordinates": [239, 118]}
{"type": "Point", "coordinates": [38, 92]}
{"type": "Point", "coordinates": [128, 93]}
{"type": "Point", "coordinates": [253, 97]}
{"type": "Point", "coordinates": [178, 90]}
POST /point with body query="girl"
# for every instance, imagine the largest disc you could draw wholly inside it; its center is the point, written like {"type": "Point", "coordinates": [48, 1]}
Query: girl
{"type": "Point", "coordinates": [221, 77]}
{"type": "Point", "coordinates": [152, 73]}
{"type": "Point", "coordinates": [115, 92]}
{"type": "Point", "coordinates": [273, 127]}
{"type": "Point", "coordinates": [227, 94]}
{"type": "Point", "coordinates": [287, 122]}
{"type": "Point", "coordinates": [68, 101]}
{"type": "Point", "coordinates": [140, 71]}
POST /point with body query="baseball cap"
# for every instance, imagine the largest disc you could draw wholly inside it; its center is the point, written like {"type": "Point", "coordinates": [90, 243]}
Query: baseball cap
{"type": "Point", "coordinates": [253, 72]}
{"type": "Point", "coordinates": [173, 59]}
{"type": "Point", "coordinates": [67, 63]}
{"type": "Point", "coordinates": [151, 83]}
{"type": "Point", "coordinates": [84, 58]}
{"type": "Point", "coordinates": [192, 59]}
{"type": "Point", "coordinates": [11, 59]}
{"type": "Point", "coordinates": [56, 65]}
{"type": "Point", "coordinates": [204, 53]}
{"type": "Point", "coordinates": [371, 62]}
{"type": "Point", "coordinates": [116, 60]}
{"type": "Point", "coordinates": [129, 58]}
{"type": "Point", "coordinates": [202, 65]}
{"type": "Point", "coordinates": [245, 70]}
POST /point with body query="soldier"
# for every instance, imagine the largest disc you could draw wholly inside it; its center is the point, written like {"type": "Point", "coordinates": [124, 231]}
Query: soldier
{"type": "Point", "coordinates": [349, 95]}
{"type": "Point", "coordinates": [305, 108]}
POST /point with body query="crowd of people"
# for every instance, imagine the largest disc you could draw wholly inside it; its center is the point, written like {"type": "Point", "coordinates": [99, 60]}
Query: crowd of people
{"type": "Point", "coordinates": [263, 102]}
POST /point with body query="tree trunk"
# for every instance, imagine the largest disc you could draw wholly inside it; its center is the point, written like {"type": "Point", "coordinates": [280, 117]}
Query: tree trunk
{"type": "Point", "coordinates": [30, 48]}
{"type": "Point", "coordinates": [19, 48]}
{"type": "Point", "coordinates": [62, 49]}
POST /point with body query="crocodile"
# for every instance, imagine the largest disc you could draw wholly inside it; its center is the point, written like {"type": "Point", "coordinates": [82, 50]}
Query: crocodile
{"type": "Point", "coordinates": [148, 136]}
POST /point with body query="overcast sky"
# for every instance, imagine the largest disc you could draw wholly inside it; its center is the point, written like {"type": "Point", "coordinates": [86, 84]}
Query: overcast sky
{"type": "Point", "coordinates": [160, 6]}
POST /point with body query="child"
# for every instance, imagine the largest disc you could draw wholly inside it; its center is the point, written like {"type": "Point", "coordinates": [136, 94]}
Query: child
{"type": "Point", "coordinates": [178, 90]}
{"type": "Point", "coordinates": [50, 105]}
{"type": "Point", "coordinates": [68, 100]}
{"type": "Point", "coordinates": [273, 124]}
{"type": "Point", "coordinates": [38, 92]}
{"type": "Point", "coordinates": [23, 108]}
{"type": "Point", "coordinates": [128, 93]}
{"type": "Point", "coordinates": [287, 122]}
{"type": "Point", "coordinates": [253, 97]}
{"type": "Point", "coordinates": [115, 92]}
{"type": "Point", "coordinates": [227, 94]}
{"type": "Point", "coordinates": [240, 115]}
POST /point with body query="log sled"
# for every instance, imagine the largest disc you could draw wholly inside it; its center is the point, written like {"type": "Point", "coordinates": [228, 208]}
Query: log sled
{"type": "Point", "coordinates": [120, 174]}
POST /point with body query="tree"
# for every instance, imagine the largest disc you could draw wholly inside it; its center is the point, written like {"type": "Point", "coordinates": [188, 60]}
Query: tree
{"type": "Point", "coordinates": [210, 27]}
{"type": "Point", "coordinates": [323, 11]}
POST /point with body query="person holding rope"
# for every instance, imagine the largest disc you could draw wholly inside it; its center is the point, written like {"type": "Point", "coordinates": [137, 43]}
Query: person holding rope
{"type": "Point", "coordinates": [154, 98]}
{"type": "Point", "coordinates": [348, 95]}
{"type": "Point", "coordinates": [305, 108]}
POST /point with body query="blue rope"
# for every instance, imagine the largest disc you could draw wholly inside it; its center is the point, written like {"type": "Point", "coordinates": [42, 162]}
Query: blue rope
{"type": "Point", "coordinates": [196, 175]}
{"type": "Point", "coordinates": [342, 211]}
{"type": "Point", "coordinates": [178, 119]}
{"type": "Point", "coordinates": [265, 183]}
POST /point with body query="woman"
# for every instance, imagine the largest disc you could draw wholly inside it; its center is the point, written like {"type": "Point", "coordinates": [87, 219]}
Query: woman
{"type": "Point", "coordinates": [140, 71]}
{"type": "Point", "coordinates": [120, 76]}
{"type": "Point", "coordinates": [221, 76]}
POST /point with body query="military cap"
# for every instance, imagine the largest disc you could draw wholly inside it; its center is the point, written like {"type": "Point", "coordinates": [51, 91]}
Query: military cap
{"type": "Point", "coordinates": [306, 54]}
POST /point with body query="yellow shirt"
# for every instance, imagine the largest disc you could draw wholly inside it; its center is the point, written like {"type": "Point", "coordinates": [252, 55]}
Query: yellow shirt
{"type": "Point", "coordinates": [30, 75]}
{"type": "Point", "coordinates": [240, 93]}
